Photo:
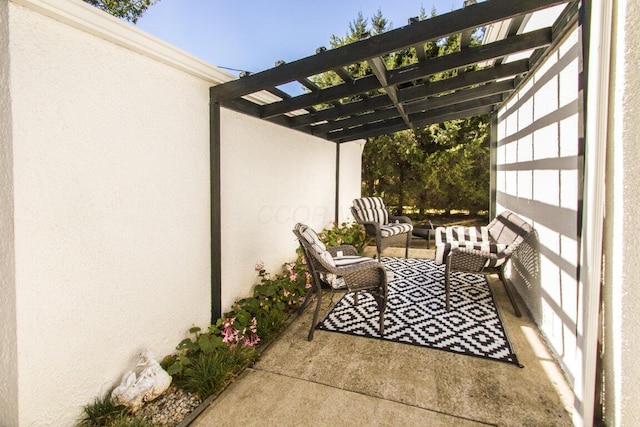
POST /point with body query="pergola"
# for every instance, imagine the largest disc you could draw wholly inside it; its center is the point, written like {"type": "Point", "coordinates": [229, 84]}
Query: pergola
{"type": "Point", "coordinates": [406, 98]}
{"type": "Point", "coordinates": [391, 100]}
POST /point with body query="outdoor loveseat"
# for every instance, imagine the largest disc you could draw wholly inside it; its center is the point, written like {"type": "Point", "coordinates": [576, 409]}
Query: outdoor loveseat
{"type": "Point", "coordinates": [484, 250]}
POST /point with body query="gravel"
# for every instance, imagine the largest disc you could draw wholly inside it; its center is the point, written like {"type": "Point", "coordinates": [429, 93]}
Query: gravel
{"type": "Point", "coordinates": [170, 408]}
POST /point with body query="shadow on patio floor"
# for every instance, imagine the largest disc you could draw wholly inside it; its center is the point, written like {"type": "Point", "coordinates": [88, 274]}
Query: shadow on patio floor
{"type": "Point", "coordinates": [339, 379]}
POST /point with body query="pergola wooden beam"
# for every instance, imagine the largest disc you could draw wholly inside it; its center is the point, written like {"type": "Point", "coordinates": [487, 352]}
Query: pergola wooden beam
{"type": "Point", "coordinates": [461, 96]}
{"type": "Point", "coordinates": [472, 56]}
{"type": "Point", "coordinates": [462, 81]}
{"type": "Point", "coordinates": [465, 80]}
{"type": "Point", "coordinates": [430, 29]}
{"type": "Point", "coordinates": [445, 111]}
{"type": "Point", "coordinates": [412, 72]}
{"type": "Point", "coordinates": [380, 71]}
{"type": "Point", "coordinates": [454, 99]}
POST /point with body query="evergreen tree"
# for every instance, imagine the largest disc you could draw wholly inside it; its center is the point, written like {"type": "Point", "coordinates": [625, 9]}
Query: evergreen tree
{"type": "Point", "coordinates": [129, 10]}
{"type": "Point", "coordinates": [443, 166]}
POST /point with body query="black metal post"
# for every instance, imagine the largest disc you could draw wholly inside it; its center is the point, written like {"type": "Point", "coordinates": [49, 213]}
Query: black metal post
{"type": "Point", "coordinates": [337, 211]}
{"type": "Point", "coordinates": [493, 164]}
{"type": "Point", "coordinates": [215, 187]}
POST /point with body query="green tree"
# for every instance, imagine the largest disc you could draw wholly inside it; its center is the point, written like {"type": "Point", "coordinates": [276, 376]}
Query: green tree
{"type": "Point", "coordinates": [129, 10]}
{"type": "Point", "coordinates": [443, 166]}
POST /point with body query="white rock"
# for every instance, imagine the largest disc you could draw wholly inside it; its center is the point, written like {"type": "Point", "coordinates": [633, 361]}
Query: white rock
{"type": "Point", "coordinates": [149, 382]}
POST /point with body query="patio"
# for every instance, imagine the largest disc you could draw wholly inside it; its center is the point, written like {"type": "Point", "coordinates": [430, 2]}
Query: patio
{"type": "Point", "coordinates": [122, 236]}
{"type": "Point", "coordinates": [339, 379]}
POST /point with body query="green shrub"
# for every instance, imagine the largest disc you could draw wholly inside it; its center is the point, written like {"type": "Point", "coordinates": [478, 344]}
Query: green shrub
{"type": "Point", "coordinates": [208, 373]}
{"type": "Point", "coordinates": [102, 412]}
{"type": "Point", "coordinates": [345, 234]}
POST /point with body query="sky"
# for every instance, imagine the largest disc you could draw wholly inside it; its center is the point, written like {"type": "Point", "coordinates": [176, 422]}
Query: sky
{"type": "Point", "coordinates": [252, 35]}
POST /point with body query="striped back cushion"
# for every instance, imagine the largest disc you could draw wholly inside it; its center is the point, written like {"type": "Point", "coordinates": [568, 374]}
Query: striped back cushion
{"type": "Point", "coordinates": [509, 228]}
{"type": "Point", "coordinates": [467, 237]}
{"type": "Point", "coordinates": [371, 209]}
{"type": "Point", "coordinates": [314, 241]}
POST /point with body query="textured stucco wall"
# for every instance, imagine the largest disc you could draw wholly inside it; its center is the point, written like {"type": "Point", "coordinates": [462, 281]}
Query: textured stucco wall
{"type": "Point", "coordinates": [8, 343]}
{"type": "Point", "coordinates": [621, 294]}
{"type": "Point", "coordinates": [105, 178]}
{"type": "Point", "coordinates": [537, 177]}
{"type": "Point", "coordinates": [273, 178]}
{"type": "Point", "coordinates": [111, 184]}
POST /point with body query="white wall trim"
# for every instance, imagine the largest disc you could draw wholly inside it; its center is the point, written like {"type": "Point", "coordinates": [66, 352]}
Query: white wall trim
{"type": "Point", "coordinates": [92, 20]}
{"type": "Point", "coordinates": [596, 136]}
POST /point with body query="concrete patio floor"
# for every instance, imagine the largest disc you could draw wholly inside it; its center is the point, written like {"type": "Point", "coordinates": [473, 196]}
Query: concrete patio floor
{"type": "Point", "coordinates": [338, 379]}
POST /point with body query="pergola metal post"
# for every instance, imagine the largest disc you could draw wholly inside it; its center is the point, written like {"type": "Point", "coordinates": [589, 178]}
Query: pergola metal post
{"type": "Point", "coordinates": [337, 211]}
{"type": "Point", "coordinates": [493, 164]}
{"type": "Point", "coordinates": [216, 242]}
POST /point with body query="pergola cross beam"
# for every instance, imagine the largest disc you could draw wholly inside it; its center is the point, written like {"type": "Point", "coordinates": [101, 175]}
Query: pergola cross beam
{"type": "Point", "coordinates": [380, 71]}
{"type": "Point", "coordinates": [430, 29]}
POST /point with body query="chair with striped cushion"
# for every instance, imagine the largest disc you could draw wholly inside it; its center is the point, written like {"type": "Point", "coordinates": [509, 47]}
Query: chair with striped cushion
{"type": "Point", "coordinates": [340, 269]}
{"type": "Point", "coordinates": [385, 228]}
{"type": "Point", "coordinates": [485, 250]}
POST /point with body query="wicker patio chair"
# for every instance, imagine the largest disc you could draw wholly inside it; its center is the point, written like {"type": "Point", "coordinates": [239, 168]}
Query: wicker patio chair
{"type": "Point", "coordinates": [339, 269]}
{"type": "Point", "coordinates": [484, 251]}
{"type": "Point", "coordinates": [385, 228]}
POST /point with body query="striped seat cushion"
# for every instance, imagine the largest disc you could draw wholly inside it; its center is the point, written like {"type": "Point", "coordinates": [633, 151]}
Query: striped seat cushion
{"type": "Point", "coordinates": [394, 229]}
{"type": "Point", "coordinates": [466, 237]}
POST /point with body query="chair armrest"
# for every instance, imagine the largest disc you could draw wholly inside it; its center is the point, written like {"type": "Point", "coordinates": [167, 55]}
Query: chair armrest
{"type": "Point", "coordinates": [364, 275]}
{"type": "Point", "coordinates": [372, 228]}
{"type": "Point", "coordinates": [471, 260]}
{"type": "Point", "coordinates": [347, 250]}
{"type": "Point", "coordinates": [403, 219]}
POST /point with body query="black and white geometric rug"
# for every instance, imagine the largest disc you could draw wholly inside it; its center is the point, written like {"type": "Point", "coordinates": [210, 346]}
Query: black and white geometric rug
{"type": "Point", "coordinates": [416, 312]}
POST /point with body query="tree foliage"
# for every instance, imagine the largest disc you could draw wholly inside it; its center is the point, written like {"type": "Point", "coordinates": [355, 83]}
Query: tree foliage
{"type": "Point", "coordinates": [444, 166]}
{"type": "Point", "coordinates": [129, 10]}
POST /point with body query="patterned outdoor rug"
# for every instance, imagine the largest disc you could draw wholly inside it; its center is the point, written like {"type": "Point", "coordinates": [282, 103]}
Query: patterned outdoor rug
{"type": "Point", "coordinates": [416, 312]}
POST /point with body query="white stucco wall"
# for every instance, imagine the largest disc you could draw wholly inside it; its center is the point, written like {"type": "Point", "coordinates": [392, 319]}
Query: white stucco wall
{"type": "Point", "coordinates": [273, 178]}
{"type": "Point", "coordinates": [8, 342]}
{"type": "Point", "coordinates": [105, 192]}
{"type": "Point", "coordinates": [537, 177]}
{"type": "Point", "coordinates": [621, 294]}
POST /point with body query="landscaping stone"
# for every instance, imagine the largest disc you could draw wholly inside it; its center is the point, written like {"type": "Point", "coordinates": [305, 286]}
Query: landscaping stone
{"type": "Point", "coordinates": [170, 408]}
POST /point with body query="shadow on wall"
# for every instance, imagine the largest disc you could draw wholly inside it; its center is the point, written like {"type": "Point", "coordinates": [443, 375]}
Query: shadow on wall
{"type": "Point", "coordinates": [525, 274]}
{"type": "Point", "coordinates": [525, 262]}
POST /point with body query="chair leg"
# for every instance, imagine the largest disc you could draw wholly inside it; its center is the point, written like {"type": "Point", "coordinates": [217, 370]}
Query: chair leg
{"type": "Point", "coordinates": [503, 279]}
{"type": "Point", "coordinates": [355, 298]}
{"type": "Point", "coordinates": [315, 316]}
{"type": "Point", "coordinates": [447, 285]}
{"type": "Point", "coordinates": [406, 251]}
{"type": "Point", "coordinates": [382, 306]}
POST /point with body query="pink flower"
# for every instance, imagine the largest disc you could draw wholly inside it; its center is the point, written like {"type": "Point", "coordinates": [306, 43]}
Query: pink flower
{"type": "Point", "coordinates": [293, 277]}
{"type": "Point", "coordinates": [259, 266]}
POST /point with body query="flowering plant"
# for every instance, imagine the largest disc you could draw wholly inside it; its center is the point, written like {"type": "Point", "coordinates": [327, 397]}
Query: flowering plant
{"type": "Point", "coordinates": [229, 345]}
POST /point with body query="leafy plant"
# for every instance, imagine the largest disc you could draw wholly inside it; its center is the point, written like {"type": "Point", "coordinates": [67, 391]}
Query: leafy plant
{"type": "Point", "coordinates": [129, 10]}
{"type": "Point", "coordinates": [345, 234]}
{"type": "Point", "coordinates": [102, 412]}
{"type": "Point", "coordinates": [210, 372]}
